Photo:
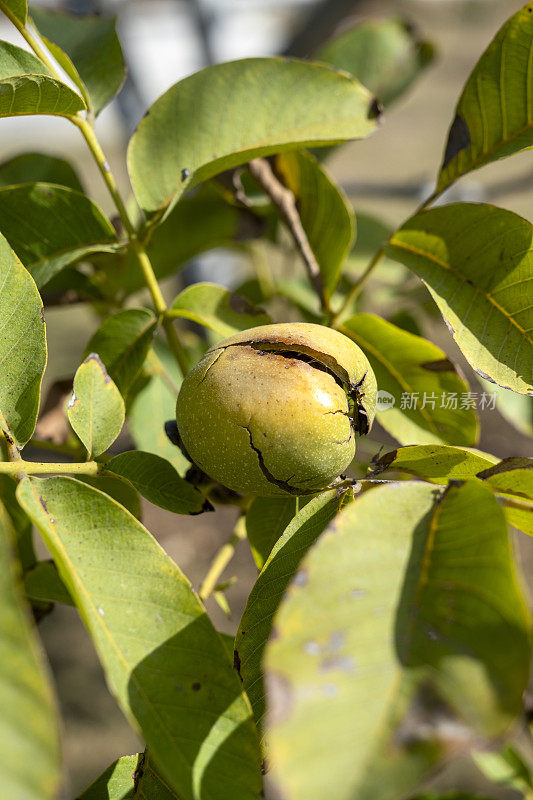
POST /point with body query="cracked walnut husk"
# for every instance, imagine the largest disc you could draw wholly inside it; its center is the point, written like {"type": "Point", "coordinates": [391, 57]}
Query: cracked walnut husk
{"type": "Point", "coordinates": [277, 409]}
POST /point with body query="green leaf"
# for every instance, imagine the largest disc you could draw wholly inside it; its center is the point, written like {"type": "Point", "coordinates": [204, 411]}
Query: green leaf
{"type": "Point", "coordinates": [266, 519]}
{"type": "Point", "coordinates": [122, 342]}
{"type": "Point", "coordinates": [228, 641]}
{"type": "Point", "coordinates": [88, 49]}
{"type": "Point", "coordinates": [325, 212]}
{"type": "Point", "coordinates": [27, 87]}
{"type": "Point", "coordinates": [476, 261]}
{"type": "Point", "coordinates": [17, 61]}
{"type": "Point", "coordinates": [50, 227]}
{"type": "Point", "coordinates": [385, 640]}
{"type": "Point", "coordinates": [29, 740]}
{"type": "Point", "coordinates": [414, 372]}
{"type": "Point", "coordinates": [511, 476]}
{"type": "Point", "coordinates": [127, 778]}
{"type": "Point", "coordinates": [96, 408]}
{"type": "Point", "coordinates": [254, 119]}
{"type": "Point", "coordinates": [201, 221]}
{"type": "Point", "coordinates": [22, 348]}
{"type": "Point", "coordinates": [385, 55]}
{"type": "Point", "coordinates": [506, 768]}
{"type": "Point", "coordinates": [119, 489]}
{"type": "Point", "coordinates": [519, 513]}
{"type": "Point", "coordinates": [157, 480]}
{"type": "Point", "coordinates": [154, 405]}
{"type": "Point", "coordinates": [268, 590]}
{"type": "Point", "coordinates": [494, 117]}
{"type": "Point", "coordinates": [163, 660]}
{"type": "Point", "coordinates": [117, 782]}
{"type": "Point", "coordinates": [217, 308]}
{"type": "Point", "coordinates": [20, 522]}
{"type": "Point", "coordinates": [32, 167]}
{"type": "Point", "coordinates": [42, 583]}
{"type": "Point", "coordinates": [437, 463]}
{"type": "Point", "coordinates": [15, 8]}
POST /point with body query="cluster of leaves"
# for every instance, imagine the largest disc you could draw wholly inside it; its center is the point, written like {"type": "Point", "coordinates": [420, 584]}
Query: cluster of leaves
{"type": "Point", "coordinates": [384, 634]}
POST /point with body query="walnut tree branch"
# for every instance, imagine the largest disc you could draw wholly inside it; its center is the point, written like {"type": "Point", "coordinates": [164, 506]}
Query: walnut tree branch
{"type": "Point", "coordinates": [285, 202]}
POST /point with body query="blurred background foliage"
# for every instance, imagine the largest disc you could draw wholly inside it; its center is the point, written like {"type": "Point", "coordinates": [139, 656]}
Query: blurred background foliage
{"type": "Point", "coordinates": [385, 177]}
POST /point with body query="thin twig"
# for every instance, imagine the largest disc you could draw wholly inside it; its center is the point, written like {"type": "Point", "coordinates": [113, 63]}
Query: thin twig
{"type": "Point", "coordinates": [338, 318]}
{"type": "Point", "coordinates": [352, 295]}
{"type": "Point", "coordinates": [49, 468]}
{"type": "Point", "coordinates": [222, 559]}
{"type": "Point", "coordinates": [285, 202]}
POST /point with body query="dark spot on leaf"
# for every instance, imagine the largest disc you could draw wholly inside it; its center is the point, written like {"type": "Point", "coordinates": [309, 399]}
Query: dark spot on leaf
{"type": "Point", "coordinates": [196, 686]}
{"type": "Point", "coordinates": [146, 113]}
{"type": "Point", "coordinates": [237, 663]}
{"type": "Point", "coordinates": [117, 224]}
{"type": "Point", "coordinates": [42, 501]}
{"type": "Point", "coordinates": [42, 314]}
{"type": "Point", "coordinates": [458, 139]}
{"type": "Point", "coordinates": [378, 465]}
{"type": "Point", "coordinates": [442, 365]}
{"type": "Point", "coordinates": [507, 465]}
{"type": "Point", "coordinates": [185, 173]}
{"type": "Point", "coordinates": [376, 109]}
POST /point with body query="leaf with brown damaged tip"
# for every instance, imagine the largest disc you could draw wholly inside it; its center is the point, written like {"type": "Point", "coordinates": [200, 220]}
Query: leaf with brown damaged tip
{"type": "Point", "coordinates": [96, 409]}
{"type": "Point", "coordinates": [493, 117]}
{"type": "Point", "coordinates": [436, 463]}
{"type": "Point", "coordinates": [511, 476]}
{"type": "Point", "coordinates": [404, 558]}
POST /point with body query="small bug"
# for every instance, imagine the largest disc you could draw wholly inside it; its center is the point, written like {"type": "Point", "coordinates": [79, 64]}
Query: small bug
{"type": "Point", "coordinates": [360, 421]}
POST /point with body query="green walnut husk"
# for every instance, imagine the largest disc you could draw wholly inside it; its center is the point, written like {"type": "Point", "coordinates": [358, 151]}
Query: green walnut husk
{"type": "Point", "coordinates": [276, 410]}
